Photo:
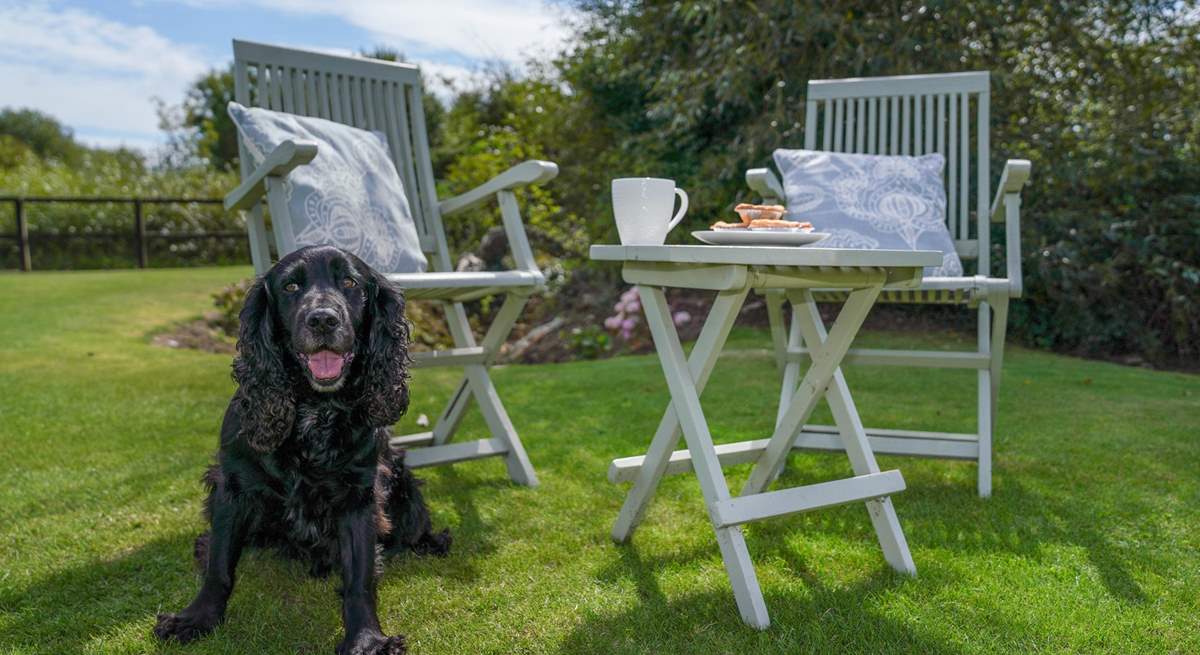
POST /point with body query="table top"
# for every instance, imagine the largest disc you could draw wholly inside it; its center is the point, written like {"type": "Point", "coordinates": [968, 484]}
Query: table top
{"type": "Point", "coordinates": [768, 256]}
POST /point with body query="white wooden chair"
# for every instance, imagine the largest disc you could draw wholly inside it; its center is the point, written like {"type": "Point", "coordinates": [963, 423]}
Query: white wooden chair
{"type": "Point", "coordinates": [915, 115]}
{"type": "Point", "coordinates": [386, 97]}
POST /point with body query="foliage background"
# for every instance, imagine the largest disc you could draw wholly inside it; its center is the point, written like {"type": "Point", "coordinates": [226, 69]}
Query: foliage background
{"type": "Point", "coordinates": [1100, 95]}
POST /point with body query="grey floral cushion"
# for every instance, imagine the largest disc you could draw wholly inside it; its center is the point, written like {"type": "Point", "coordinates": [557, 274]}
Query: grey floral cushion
{"type": "Point", "coordinates": [349, 196]}
{"type": "Point", "coordinates": [871, 201]}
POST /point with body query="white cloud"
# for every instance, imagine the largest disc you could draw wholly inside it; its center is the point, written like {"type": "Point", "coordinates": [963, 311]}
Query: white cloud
{"type": "Point", "coordinates": [442, 30]}
{"type": "Point", "coordinates": [90, 72]}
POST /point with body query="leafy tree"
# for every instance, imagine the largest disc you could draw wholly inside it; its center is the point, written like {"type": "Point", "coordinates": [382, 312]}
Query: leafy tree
{"type": "Point", "coordinates": [1099, 94]}
{"type": "Point", "coordinates": [41, 133]}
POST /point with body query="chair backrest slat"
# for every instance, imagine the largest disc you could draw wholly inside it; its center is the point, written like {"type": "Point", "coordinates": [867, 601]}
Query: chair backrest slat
{"type": "Point", "coordinates": [915, 115]}
{"type": "Point", "coordinates": [364, 93]}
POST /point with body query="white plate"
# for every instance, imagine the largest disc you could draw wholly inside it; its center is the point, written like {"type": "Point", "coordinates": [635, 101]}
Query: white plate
{"type": "Point", "coordinates": [758, 238]}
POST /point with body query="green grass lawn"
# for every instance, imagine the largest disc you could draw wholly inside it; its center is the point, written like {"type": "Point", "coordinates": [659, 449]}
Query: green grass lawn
{"type": "Point", "coordinates": [1089, 544]}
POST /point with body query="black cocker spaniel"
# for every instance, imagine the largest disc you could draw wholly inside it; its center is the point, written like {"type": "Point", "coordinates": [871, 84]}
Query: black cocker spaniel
{"type": "Point", "coordinates": [304, 465]}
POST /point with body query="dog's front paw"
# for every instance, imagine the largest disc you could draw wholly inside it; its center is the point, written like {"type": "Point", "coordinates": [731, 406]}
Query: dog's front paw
{"type": "Point", "coordinates": [185, 626]}
{"type": "Point", "coordinates": [372, 643]}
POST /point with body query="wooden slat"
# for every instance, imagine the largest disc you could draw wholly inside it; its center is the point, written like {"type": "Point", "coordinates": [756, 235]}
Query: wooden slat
{"type": "Point", "coordinates": [369, 103]}
{"type": "Point", "coordinates": [345, 84]}
{"type": "Point", "coordinates": [872, 125]}
{"type": "Point", "coordinates": [424, 169]}
{"type": "Point", "coordinates": [827, 135]}
{"type": "Point", "coordinates": [356, 99]}
{"type": "Point", "coordinates": [411, 188]}
{"type": "Point", "coordinates": [839, 116]}
{"type": "Point", "coordinates": [810, 125]}
{"type": "Point", "coordinates": [918, 358]}
{"type": "Point", "coordinates": [262, 79]}
{"type": "Point", "coordinates": [905, 125]}
{"type": "Point", "coordinates": [972, 82]}
{"type": "Point", "coordinates": [860, 127]}
{"type": "Point", "coordinates": [285, 90]}
{"type": "Point", "coordinates": [928, 125]}
{"type": "Point", "coordinates": [411, 440]}
{"type": "Point", "coordinates": [275, 97]}
{"type": "Point", "coordinates": [964, 165]}
{"type": "Point", "coordinates": [948, 445]}
{"type": "Point", "coordinates": [455, 452]}
{"type": "Point", "coordinates": [982, 179]}
{"type": "Point", "coordinates": [744, 509]}
{"type": "Point", "coordinates": [300, 91]}
{"type": "Point", "coordinates": [449, 357]}
{"type": "Point", "coordinates": [893, 125]}
{"type": "Point", "coordinates": [952, 172]}
{"type": "Point", "coordinates": [919, 132]}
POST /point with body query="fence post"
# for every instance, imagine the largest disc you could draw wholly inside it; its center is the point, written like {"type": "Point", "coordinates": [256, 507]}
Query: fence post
{"type": "Point", "coordinates": [22, 235]}
{"type": "Point", "coordinates": [139, 233]}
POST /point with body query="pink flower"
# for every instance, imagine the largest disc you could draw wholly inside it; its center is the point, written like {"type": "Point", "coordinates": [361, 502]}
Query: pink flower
{"type": "Point", "coordinates": [628, 324]}
{"type": "Point", "coordinates": [633, 306]}
{"type": "Point", "coordinates": [612, 322]}
{"type": "Point", "coordinates": [619, 307]}
{"type": "Point", "coordinates": [630, 294]}
{"type": "Point", "coordinates": [681, 317]}
{"type": "Point", "coordinates": [626, 334]}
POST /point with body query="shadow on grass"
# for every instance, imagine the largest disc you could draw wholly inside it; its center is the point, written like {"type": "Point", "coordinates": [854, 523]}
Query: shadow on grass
{"type": "Point", "coordinates": [936, 514]}
{"type": "Point", "coordinates": [823, 620]}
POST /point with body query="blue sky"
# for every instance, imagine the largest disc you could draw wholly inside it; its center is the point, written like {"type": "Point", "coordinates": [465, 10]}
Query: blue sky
{"type": "Point", "coordinates": [96, 65]}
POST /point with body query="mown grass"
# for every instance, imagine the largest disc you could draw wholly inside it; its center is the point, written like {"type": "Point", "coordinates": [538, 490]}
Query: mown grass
{"type": "Point", "coordinates": [1089, 544]}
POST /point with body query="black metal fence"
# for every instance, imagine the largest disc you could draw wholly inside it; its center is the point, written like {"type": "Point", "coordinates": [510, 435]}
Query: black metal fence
{"type": "Point", "coordinates": [68, 248]}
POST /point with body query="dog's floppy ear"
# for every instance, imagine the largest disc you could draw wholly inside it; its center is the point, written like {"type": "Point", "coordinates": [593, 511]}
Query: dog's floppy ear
{"type": "Point", "coordinates": [264, 396]}
{"type": "Point", "coordinates": [385, 388]}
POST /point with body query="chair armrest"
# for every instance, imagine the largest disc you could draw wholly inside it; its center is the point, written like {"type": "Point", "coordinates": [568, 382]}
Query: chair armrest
{"type": "Point", "coordinates": [1006, 208]}
{"type": "Point", "coordinates": [766, 184]}
{"type": "Point", "coordinates": [279, 162]}
{"type": "Point", "coordinates": [530, 172]}
{"type": "Point", "coordinates": [1012, 180]}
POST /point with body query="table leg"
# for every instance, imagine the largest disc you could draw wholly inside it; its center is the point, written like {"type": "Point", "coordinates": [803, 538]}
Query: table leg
{"type": "Point", "coordinates": [704, 356]}
{"type": "Point", "coordinates": [854, 440]}
{"type": "Point", "coordinates": [826, 358]}
{"type": "Point", "coordinates": [685, 398]}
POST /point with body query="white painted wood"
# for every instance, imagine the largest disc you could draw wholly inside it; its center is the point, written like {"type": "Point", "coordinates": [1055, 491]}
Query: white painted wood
{"type": "Point", "coordinates": [278, 163]}
{"type": "Point", "coordinates": [854, 440]}
{"type": "Point", "coordinates": [766, 184]}
{"type": "Point", "coordinates": [973, 82]}
{"type": "Point", "coordinates": [455, 452]}
{"type": "Point", "coordinates": [451, 417]}
{"type": "Point", "coordinates": [448, 357]}
{"type": "Point", "coordinates": [411, 440]}
{"type": "Point", "coordinates": [826, 360]}
{"type": "Point", "coordinates": [938, 445]}
{"type": "Point", "coordinates": [768, 256]}
{"type": "Point", "coordinates": [700, 364]}
{"type": "Point", "coordinates": [774, 300]}
{"type": "Point", "coordinates": [918, 358]}
{"type": "Point", "coordinates": [685, 398]}
{"type": "Point", "coordinates": [927, 113]}
{"type": "Point", "coordinates": [772, 504]}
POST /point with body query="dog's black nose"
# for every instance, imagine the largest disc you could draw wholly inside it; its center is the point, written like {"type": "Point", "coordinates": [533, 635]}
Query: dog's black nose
{"type": "Point", "coordinates": [322, 320]}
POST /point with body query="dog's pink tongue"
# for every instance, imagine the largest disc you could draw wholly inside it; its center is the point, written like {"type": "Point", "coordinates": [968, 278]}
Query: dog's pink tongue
{"type": "Point", "coordinates": [325, 365]}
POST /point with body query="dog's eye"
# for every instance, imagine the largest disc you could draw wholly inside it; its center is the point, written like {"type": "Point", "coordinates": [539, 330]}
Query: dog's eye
{"type": "Point", "coordinates": [349, 283]}
{"type": "Point", "coordinates": [291, 287]}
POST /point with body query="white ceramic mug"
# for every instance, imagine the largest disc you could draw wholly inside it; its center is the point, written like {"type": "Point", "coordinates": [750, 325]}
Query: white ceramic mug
{"type": "Point", "coordinates": [642, 207]}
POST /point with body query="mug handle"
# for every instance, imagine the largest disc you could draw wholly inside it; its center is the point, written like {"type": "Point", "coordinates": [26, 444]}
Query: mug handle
{"type": "Point", "coordinates": [683, 207]}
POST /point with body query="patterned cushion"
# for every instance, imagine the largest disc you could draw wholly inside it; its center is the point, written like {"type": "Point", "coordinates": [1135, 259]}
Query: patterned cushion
{"type": "Point", "coordinates": [349, 196]}
{"type": "Point", "coordinates": [871, 201]}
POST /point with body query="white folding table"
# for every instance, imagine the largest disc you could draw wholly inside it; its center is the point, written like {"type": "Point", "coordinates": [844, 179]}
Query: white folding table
{"type": "Point", "coordinates": [732, 271]}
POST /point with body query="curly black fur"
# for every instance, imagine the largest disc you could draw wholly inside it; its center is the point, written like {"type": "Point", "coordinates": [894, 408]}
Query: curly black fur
{"type": "Point", "coordinates": [304, 466]}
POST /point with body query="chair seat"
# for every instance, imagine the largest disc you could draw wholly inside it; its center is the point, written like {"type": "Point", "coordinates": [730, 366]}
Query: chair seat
{"type": "Point", "coordinates": [464, 286]}
{"type": "Point", "coordinates": [933, 291]}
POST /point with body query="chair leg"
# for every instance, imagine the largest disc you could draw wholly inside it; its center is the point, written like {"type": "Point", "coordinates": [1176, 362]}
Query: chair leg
{"type": "Point", "coordinates": [985, 408]}
{"type": "Point", "coordinates": [999, 331]}
{"type": "Point", "coordinates": [479, 384]}
{"type": "Point", "coordinates": [450, 418]}
{"type": "Point", "coordinates": [775, 299]}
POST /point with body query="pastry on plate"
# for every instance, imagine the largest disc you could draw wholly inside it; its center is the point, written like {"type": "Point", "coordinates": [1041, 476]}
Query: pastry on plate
{"type": "Point", "coordinates": [750, 212]}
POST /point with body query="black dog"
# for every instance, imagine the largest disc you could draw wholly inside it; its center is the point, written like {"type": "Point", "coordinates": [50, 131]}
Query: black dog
{"type": "Point", "coordinates": [304, 465]}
